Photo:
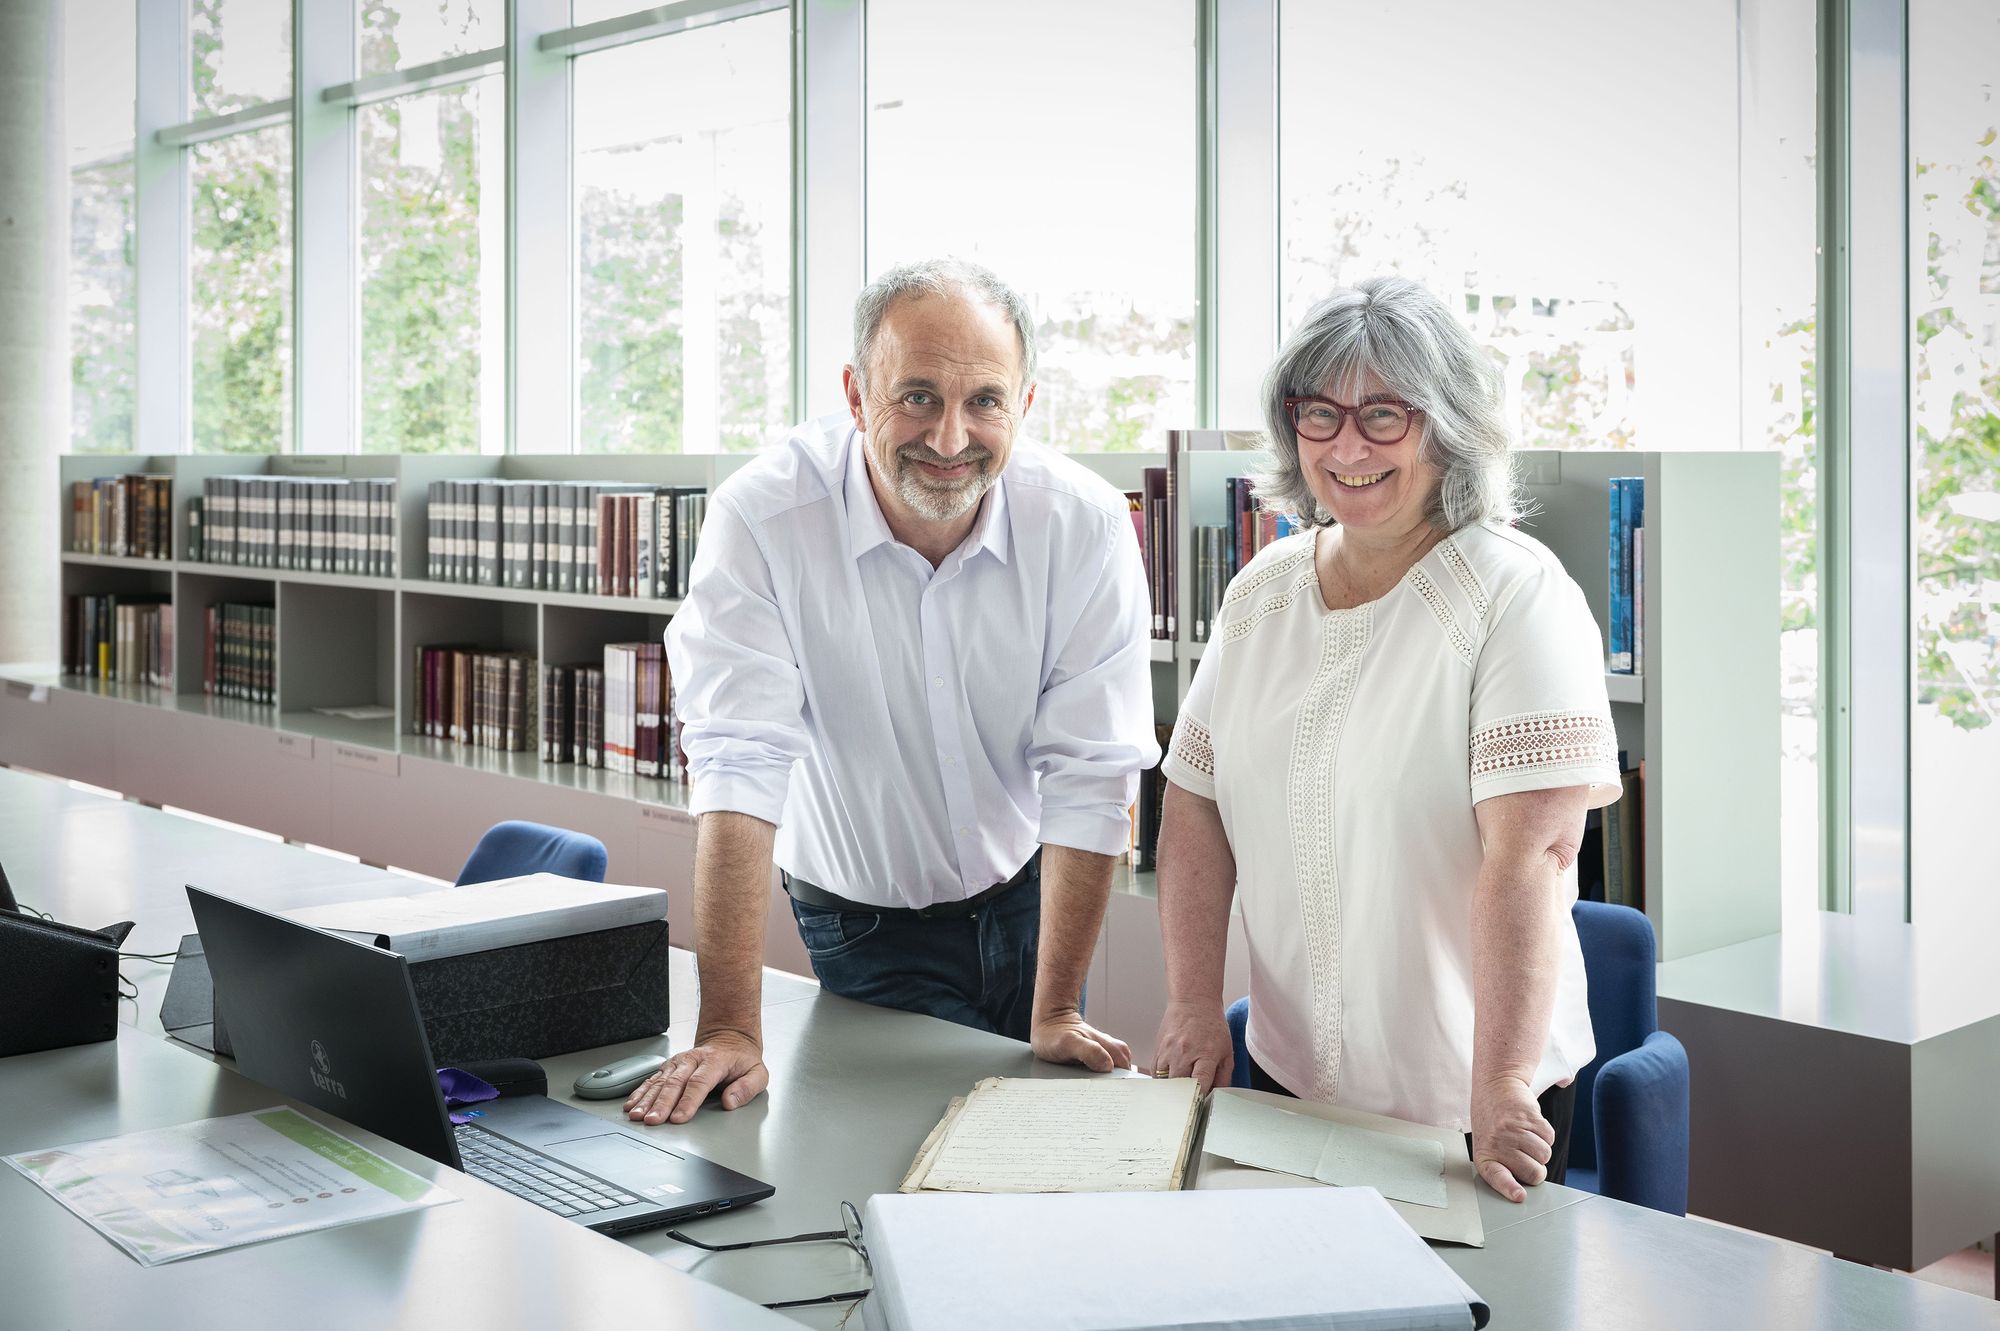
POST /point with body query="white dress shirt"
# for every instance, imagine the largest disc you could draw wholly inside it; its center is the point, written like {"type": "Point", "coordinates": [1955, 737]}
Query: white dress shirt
{"type": "Point", "coordinates": [914, 732]}
{"type": "Point", "coordinates": [1345, 751]}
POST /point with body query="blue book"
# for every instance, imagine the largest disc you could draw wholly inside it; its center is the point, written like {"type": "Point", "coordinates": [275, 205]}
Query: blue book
{"type": "Point", "coordinates": [1619, 660]}
{"type": "Point", "coordinates": [1633, 515]}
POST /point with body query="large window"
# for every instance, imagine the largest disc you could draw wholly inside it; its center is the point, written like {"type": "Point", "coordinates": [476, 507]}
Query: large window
{"type": "Point", "coordinates": [241, 54]}
{"type": "Point", "coordinates": [432, 241]}
{"type": "Point", "coordinates": [1056, 144]}
{"type": "Point", "coordinates": [432, 232]}
{"type": "Point", "coordinates": [397, 34]}
{"type": "Point", "coordinates": [1620, 200]}
{"type": "Point", "coordinates": [240, 229]}
{"type": "Point", "coordinates": [1954, 109]}
{"type": "Point", "coordinates": [683, 240]}
{"type": "Point", "coordinates": [99, 73]}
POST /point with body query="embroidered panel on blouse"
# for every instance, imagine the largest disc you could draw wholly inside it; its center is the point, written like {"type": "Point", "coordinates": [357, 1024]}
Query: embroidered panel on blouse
{"type": "Point", "coordinates": [1304, 576]}
{"type": "Point", "coordinates": [1245, 587]}
{"type": "Point", "coordinates": [1468, 581]}
{"type": "Point", "coordinates": [1193, 746]}
{"type": "Point", "coordinates": [1421, 583]}
{"type": "Point", "coordinates": [1543, 741]}
{"type": "Point", "coordinates": [1309, 789]}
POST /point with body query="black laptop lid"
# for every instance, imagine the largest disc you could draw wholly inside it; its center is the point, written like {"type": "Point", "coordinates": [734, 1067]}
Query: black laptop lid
{"type": "Point", "coordinates": [325, 1020]}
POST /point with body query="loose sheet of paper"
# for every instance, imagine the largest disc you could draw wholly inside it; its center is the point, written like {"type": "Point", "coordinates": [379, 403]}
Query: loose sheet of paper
{"type": "Point", "coordinates": [1264, 1138]}
{"type": "Point", "coordinates": [223, 1182]}
{"type": "Point", "coordinates": [1123, 1134]}
{"type": "Point", "coordinates": [1410, 1169]}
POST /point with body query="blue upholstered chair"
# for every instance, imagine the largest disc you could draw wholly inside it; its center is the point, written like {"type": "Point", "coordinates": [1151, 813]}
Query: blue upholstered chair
{"type": "Point", "coordinates": [1629, 1138]}
{"type": "Point", "coordinates": [511, 849]}
{"type": "Point", "coordinates": [1238, 1017]}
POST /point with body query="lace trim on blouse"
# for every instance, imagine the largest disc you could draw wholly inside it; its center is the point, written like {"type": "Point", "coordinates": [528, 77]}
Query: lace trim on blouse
{"type": "Point", "coordinates": [1306, 577]}
{"type": "Point", "coordinates": [1544, 741]}
{"type": "Point", "coordinates": [1468, 581]}
{"type": "Point", "coordinates": [1462, 645]}
{"type": "Point", "coordinates": [1193, 746]}
{"type": "Point", "coordinates": [1309, 791]}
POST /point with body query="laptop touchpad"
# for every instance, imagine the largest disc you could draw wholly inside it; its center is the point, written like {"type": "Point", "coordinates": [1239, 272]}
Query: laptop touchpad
{"type": "Point", "coordinates": [617, 1158]}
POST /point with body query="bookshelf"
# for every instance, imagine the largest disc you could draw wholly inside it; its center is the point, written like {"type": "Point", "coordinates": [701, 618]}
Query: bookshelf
{"type": "Point", "coordinates": [1704, 704]}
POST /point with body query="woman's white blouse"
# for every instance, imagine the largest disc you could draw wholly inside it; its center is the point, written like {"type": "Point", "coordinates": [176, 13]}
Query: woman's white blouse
{"type": "Point", "coordinates": [1345, 750]}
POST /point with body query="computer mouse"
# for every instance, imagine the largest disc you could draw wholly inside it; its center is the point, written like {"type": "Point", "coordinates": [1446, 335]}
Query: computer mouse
{"type": "Point", "coordinates": [615, 1079]}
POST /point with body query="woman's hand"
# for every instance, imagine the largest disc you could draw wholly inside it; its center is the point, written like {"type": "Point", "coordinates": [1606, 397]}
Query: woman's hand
{"type": "Point", "coordinates": [1511, 1141]}
{"type": "Point", "coordinates": [1194, 1042]}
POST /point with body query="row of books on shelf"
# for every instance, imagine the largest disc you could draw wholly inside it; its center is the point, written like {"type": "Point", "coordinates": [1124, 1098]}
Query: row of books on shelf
{"type": "Point", "coordinates": [1220, 552]}
{"type": "Point", "coordinates": [129, 516]}
{"type": "Point", "coordinates": [1146, 813]}
{"type": "Point", "coordinates": [239, 651]}
{"type": "Point", "coordinates": [312, 524]}
{"type": "Point", "coordinates": [474, 697]}
{"type": "Point", "coordinates": [1627, 530]}
{"type": "Point", "coordinates": [127, 639]}
{"type": "Point", "coordinates": [617, 716]}
{"type": "Point", "coordinates": [591, 537]}
{"type": "Point", "coordinates": [1611, 858]}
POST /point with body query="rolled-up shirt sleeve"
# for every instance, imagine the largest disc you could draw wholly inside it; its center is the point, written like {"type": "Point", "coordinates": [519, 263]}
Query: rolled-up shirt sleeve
{"type": "Point", "coordinates": [737, 688]}
{"type": "Point", "coordinates": [1093, 731]}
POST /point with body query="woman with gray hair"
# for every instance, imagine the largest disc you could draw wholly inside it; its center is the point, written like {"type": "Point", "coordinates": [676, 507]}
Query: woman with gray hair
{"type": "Point", "coordinates": [1388, 750]}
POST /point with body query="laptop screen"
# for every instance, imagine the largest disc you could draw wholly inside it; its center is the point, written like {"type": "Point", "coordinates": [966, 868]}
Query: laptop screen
{"type": "Point", "coordinates": [325, 1020]}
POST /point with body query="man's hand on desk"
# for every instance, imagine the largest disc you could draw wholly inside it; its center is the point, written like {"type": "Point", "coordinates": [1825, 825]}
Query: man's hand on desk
{"type": "Point", "coordinates": [1194, 1042]}
{"type": "Point", "coordinates": [1065, 1037]}
{"type": "Point", "coordinates": [725, 1060]}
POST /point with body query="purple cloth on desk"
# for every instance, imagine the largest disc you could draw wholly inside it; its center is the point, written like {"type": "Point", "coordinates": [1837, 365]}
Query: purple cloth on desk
{"type": "Point", "coordinates": [462, 1088]}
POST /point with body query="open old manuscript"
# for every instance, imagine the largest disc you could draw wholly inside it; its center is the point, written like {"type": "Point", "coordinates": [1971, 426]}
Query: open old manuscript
{"type": "Point", "coordinates": [1017, 1134]}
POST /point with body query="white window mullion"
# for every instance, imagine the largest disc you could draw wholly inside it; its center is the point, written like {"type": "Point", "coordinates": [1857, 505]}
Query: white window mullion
{"type": "Point", "coordinates": [829, 119]}
{"type": "Point", "coordinates": [325, 335]}
{"type": "Point", "coordinates": [1242, 244]}
{"type": "Point", "coordinates": [161, 408]}
{"type": "Point", "coordinates": [541, 266]}
{"type": "Point", "coordinates": [1866, 521]}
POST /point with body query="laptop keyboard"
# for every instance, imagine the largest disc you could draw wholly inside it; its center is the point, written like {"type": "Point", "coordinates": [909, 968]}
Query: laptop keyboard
{"type": "Point", "coordinates": [529, 1174]}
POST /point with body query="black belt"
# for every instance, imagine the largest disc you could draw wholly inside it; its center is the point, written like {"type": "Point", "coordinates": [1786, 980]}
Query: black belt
{"type": "Point", "coordinates": [813, 895]}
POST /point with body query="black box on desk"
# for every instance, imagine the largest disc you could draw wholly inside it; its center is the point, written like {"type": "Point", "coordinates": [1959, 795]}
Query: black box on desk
{"type": "Point", "coordinates": [535, 1000]}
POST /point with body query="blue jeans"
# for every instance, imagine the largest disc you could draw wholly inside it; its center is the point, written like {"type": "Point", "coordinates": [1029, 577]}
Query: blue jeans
{"type": "Point", "coordinates": [978, 971]}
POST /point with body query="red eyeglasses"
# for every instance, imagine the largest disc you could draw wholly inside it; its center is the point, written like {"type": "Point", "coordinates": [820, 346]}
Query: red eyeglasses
{"type": "Point", "coordinates": [1320, 418]}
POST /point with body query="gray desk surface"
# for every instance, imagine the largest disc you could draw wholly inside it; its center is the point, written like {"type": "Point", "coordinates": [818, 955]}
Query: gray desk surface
{"type": "Point", "coordinates": [854, 1090]}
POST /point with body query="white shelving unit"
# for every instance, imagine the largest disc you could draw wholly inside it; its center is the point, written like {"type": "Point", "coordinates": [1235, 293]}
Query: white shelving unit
{"type": "Point", "coordinates": [1702, 714]}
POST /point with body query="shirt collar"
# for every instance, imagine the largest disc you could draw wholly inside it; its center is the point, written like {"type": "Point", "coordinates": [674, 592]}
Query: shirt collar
{"type": "Point", "coordinates": [867, 527]}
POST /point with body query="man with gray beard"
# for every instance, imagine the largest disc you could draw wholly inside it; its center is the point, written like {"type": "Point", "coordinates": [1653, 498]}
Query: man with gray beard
{"type": "Point", "coordinates": [912, 671]}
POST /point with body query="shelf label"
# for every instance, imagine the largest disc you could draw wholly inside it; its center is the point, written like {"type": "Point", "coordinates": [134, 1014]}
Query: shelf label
{"type": "Point", "coordinates": [296, 746]}
{"type": "Point", "coordinates": [679, 820]}
{"type": "Point", "coordinates": [27, 692]}
{"type": "Point", "coordinates": [368, 760]}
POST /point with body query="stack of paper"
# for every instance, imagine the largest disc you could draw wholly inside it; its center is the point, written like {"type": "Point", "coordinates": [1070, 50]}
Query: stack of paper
{"type": "Point", "coordinates": [1102, 1134]}
{"type": "Point", "coordinates": [1192, 1261]}
{"type": "Point", "coordinates": [480, 916]}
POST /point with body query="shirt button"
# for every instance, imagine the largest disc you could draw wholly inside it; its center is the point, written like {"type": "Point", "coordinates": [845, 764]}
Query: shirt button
{"type": "Point", "coordinates": [937, 681]}
{"type": "Point", "coordinates": [965, 831]}
{"type": "Point", "coordinates": [950, 761]}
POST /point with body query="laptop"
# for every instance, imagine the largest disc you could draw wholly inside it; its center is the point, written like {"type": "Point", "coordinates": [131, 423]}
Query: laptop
{"type": "Point", "coordinates": [335, 1023]}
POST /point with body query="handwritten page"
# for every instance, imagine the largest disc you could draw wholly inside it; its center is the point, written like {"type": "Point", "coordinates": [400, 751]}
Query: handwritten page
{"type": "Point", "coordinates": [1114, 1134]}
